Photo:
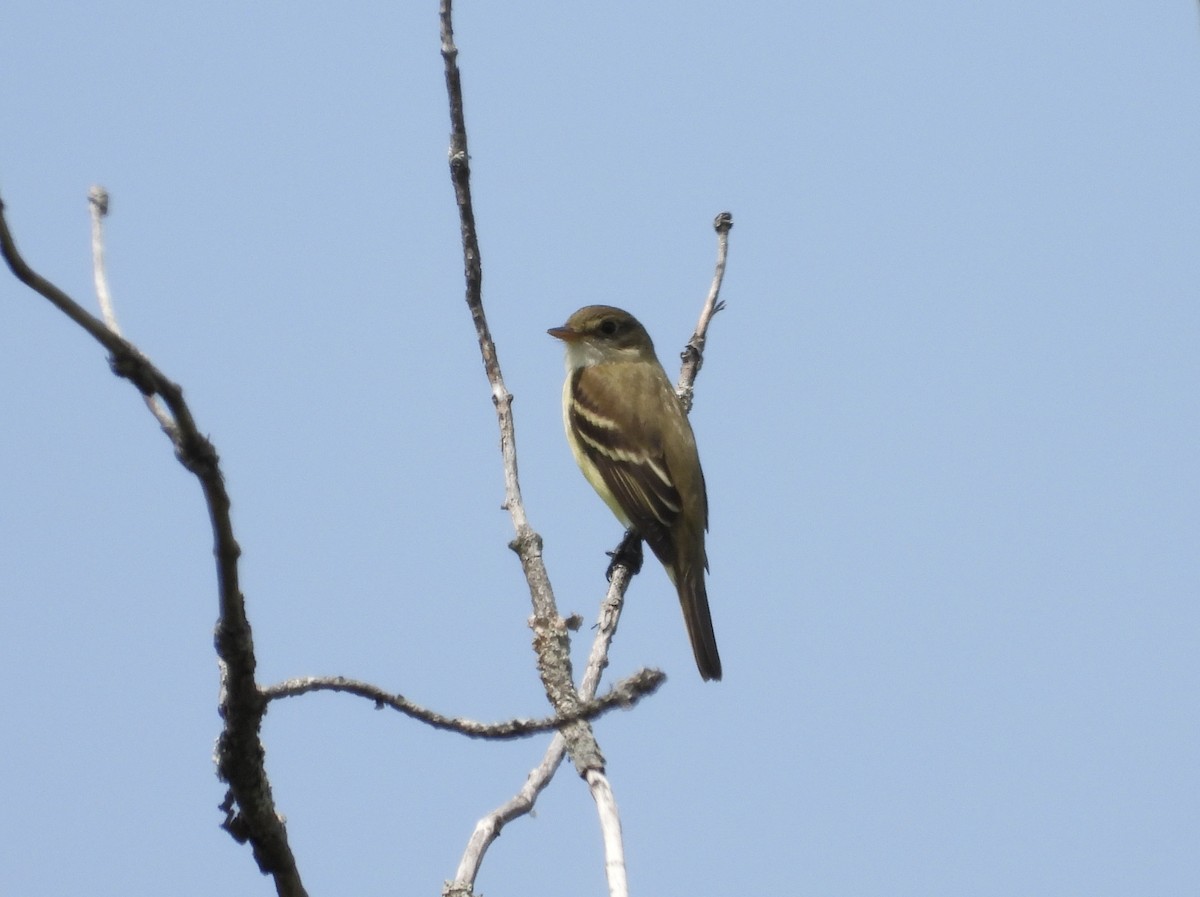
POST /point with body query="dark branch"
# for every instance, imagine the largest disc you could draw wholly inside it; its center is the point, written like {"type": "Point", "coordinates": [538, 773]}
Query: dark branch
{"type": "Point", "coordinates": [249, 806]}
{"type": "Point", "coordinates": [624, 694]}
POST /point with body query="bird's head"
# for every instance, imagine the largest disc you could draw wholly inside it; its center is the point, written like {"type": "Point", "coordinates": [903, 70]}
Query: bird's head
{"type": "Point", "coordinates": [597, 334]}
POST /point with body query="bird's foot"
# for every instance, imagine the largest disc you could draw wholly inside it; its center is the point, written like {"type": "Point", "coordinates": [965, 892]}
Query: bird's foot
{"type": "Point", "coordinates": [628, 555]}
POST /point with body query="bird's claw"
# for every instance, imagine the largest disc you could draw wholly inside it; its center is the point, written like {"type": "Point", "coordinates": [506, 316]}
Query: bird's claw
{"type": "Point", "coordinates": [628, 555]}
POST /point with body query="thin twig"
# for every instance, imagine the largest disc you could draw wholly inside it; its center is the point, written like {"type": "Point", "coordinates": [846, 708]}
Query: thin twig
{"type": "Point", "coordinates": [249, 806]}
{"type": "Point", "coordinates": [693, 353]}
{"type": "Point", "coordinates": [60, 300]}
{"type": "Point", "coordinates": [98, 203]}
{"type": "Point", "coordinates": [624, 694]}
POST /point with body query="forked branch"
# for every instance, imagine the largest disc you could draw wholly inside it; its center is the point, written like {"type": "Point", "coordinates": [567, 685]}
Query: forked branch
{"type": "Point", "coordinates": [249, 805]}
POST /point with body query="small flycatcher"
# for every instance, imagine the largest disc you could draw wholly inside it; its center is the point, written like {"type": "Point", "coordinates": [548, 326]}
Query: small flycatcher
{"type": "Point", "coordinates": [633, 442]}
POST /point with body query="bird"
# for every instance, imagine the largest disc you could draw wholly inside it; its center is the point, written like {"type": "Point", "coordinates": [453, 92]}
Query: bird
{"type": "Point", "coordinates": [631, 438]}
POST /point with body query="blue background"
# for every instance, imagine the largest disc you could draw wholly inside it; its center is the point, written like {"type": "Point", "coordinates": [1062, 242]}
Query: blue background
{"type": "Point", "coordinates": [949, 423]}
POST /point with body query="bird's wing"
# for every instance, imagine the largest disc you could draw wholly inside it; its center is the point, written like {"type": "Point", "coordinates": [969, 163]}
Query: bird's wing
{"type": "Point", "coordinates": [627, 449]}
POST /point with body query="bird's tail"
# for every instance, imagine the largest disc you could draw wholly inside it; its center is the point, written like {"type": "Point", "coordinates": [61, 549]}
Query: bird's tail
{"type": "Point", "coordinates": [693, 598]}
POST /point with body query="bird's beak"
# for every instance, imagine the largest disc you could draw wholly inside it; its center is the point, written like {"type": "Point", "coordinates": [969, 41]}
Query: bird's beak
{"type": "Point", "coordinates": [565, 333]}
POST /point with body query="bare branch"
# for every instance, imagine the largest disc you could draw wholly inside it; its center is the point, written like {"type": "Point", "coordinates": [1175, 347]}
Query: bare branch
{"type": "Point", "coordinates": [58, 298]}
{"type": "Point", "coordinates": [550, 634]}
{"type": "Point", "coordinates": [693, 353]}
{"type": "Point", "coordinates": [249, 806]}
{"type": "Point", "coordinates": [610, 830]}
{"type": "Point", "coordinates": [487, 830]}
{"type": "Point", "coordinates": [624, 694]}
{"type": "Point", "coordinates": [98, 202]}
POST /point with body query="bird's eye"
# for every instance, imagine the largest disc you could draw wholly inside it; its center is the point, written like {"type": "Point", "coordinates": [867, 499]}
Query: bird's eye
{"type": "Point", "coordinates": [608, 327]}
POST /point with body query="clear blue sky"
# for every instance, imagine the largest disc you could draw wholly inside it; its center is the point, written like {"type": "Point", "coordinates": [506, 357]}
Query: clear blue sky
{"type": "Point", "coordinates": [949, 424]}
